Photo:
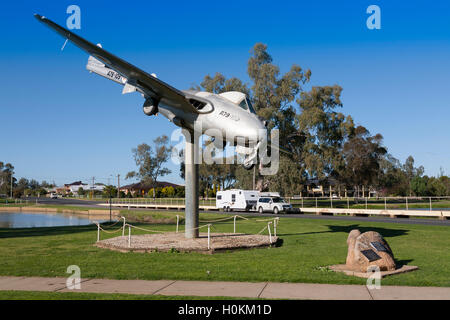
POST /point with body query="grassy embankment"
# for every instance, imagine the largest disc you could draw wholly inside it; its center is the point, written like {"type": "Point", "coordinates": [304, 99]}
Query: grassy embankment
{"type": "Point", "coordinates": [43, 295]}
{"type": "Point", "coordinates": [309, 245]}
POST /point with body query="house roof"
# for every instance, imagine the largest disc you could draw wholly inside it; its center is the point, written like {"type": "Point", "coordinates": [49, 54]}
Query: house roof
{"type": "Point", "coordinates": [143, 186]}
{"type": "Point", "coordinates": [327, 181]}
{"type": "Point", "coordinates": [76, 183]}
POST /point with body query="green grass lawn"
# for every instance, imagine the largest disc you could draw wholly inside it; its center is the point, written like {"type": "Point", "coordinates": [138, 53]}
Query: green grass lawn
{"type": "Point", "coordinates": [307, 245]}
{"type": "Point", "coordinates": [44, 295]}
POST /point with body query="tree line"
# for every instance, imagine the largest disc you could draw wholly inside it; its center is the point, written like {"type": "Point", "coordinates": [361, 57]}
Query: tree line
{"type": "Point", "coordinates": [325, 143]}
{"type": "Point", "coordinates": [9, 185]}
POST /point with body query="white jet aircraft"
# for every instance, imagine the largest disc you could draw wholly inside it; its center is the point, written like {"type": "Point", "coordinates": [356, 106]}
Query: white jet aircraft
{"type": "Point", "coordinates": [231, 113]}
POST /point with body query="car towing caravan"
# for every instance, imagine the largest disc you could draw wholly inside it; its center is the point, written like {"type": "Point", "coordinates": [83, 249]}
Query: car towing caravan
{"type": "Point", "coordinates": [236, 200]}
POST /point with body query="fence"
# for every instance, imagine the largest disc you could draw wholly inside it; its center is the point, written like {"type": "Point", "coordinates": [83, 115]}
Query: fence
{"type": "Point", "coordinates": [161, 201]}
{"type": "Point", "coordinates": [429, 203]}
{"type": "Point", "coordinates": [383, 203]}
{"type": "Point", "coordinates": [274, 222]}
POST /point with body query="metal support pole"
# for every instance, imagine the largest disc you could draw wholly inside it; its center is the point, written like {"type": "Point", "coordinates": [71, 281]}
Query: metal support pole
{"type": "Point", "coordinates": [98, 232]}
{"type": "Point", "coordinates": [191, 178]}
{"type": "Point", "coordinates": [178, 220]}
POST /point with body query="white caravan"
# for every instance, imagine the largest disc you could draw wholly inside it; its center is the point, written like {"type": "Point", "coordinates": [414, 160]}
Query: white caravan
{"type": "Point", "coordinates": [236, 199]}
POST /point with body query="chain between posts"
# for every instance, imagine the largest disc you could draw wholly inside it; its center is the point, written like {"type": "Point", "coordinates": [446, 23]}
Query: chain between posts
{"type": "Point", "coordinates": [273, 221]}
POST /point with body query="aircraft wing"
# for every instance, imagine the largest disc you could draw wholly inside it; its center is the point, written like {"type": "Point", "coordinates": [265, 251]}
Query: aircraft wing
{"type": "Point", "coordinates": [149, 84]}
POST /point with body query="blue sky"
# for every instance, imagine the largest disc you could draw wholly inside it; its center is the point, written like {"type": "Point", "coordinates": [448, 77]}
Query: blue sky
{"type": "Point", "coordinates": [60, 123]}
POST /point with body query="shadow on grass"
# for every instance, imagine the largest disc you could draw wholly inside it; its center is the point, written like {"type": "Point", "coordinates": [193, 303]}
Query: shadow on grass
{"type": "Point", "coordinates": [385, 232]}
{"type": "Point", "coordinates": [46, 231]}
{"type": "Point", "coordinates": [400, 263]}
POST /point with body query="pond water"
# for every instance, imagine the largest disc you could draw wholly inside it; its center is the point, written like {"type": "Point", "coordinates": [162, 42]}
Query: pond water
{"type": "Point", "coordinates": [31, 220]}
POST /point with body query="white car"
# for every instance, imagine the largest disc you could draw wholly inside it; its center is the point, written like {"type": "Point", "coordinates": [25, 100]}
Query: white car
{"type": "Point", "coordinates": [273, 204]}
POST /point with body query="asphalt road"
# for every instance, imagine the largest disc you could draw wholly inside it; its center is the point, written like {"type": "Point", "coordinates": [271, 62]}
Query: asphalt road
{"type": "Point", "coordinates": [96, 204]}
{"type": "Point", "coordinates": [65, 201]}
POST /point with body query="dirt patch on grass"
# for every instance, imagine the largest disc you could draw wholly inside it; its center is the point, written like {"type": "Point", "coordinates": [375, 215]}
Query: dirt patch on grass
{"type": "Point", "coordinates": [151, 219]}
{"type": "Point", "coordinates": [177, 242]}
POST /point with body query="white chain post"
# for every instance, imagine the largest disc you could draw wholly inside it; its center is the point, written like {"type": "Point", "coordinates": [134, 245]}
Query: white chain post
{"type": "Point", "coordinates": [123, 228]}
{"type": "Point", "coordinates": [275, 223]}
{"type": "Point", "coordinates": [209, 236]}
{"type": "Point", "coordinates": [234, 222]}
{"type": "Point", "coordinates": [129, 236]}
{"type": "Point", "coordinates": [178, 219]}
{"type": "Point", "coordinates": [98, 231]}
{"type": "Point", "coordinates": [270, 234]}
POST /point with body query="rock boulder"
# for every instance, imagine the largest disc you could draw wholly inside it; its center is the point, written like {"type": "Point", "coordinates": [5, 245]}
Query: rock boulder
{"type": "Point", "coordinates": [368, 249]}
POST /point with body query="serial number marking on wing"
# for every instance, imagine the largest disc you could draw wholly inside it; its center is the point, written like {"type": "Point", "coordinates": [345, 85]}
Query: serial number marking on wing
{"type": "Point", "coordinates": [114, 75]}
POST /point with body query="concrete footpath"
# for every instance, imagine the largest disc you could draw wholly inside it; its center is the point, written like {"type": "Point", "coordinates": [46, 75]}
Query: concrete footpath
{"type": "Point", "coordinates": [267, 290]}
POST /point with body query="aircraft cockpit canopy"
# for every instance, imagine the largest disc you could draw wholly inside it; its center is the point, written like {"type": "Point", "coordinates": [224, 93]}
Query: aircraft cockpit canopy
{"type": "Point", "coordinates": [247, 105]}
{"type": "Point", "coordinates": [240, 99]}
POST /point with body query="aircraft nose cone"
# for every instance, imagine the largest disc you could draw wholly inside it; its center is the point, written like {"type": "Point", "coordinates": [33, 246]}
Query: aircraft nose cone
{"type": "Point", "coordinates": [264, 121]}
{"type": "Point", "coordinates": [258, 130]}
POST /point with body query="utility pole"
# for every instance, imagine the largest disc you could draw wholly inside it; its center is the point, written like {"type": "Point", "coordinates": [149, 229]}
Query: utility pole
{"type": "Point", "coordinates": [118, 186]}
{"type": "Point", "coordinates": [254, 168]}
{"type": "Point", "coordinates": [110, 204]}
{"type": "Point", "coordinates": [12, 172]}
{"type": "Point", "coordinates": [93, 186]}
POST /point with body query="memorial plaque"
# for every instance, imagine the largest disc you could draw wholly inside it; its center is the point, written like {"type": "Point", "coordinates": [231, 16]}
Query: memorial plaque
{"type": "Point", "coordinates": [378, 246]}
{"type": "Point", "coordinates": [370, 255]}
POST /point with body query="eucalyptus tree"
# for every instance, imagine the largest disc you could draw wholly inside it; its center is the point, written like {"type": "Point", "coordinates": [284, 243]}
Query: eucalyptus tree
{"type": "Point", "coordinates": [362, 155]}
{"type": "Point", "coordinates": [150, 161]}
{"type": "Point", "coordinates": [323, 130]}
{"type": "Point", "coordinates": [6, 179]}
